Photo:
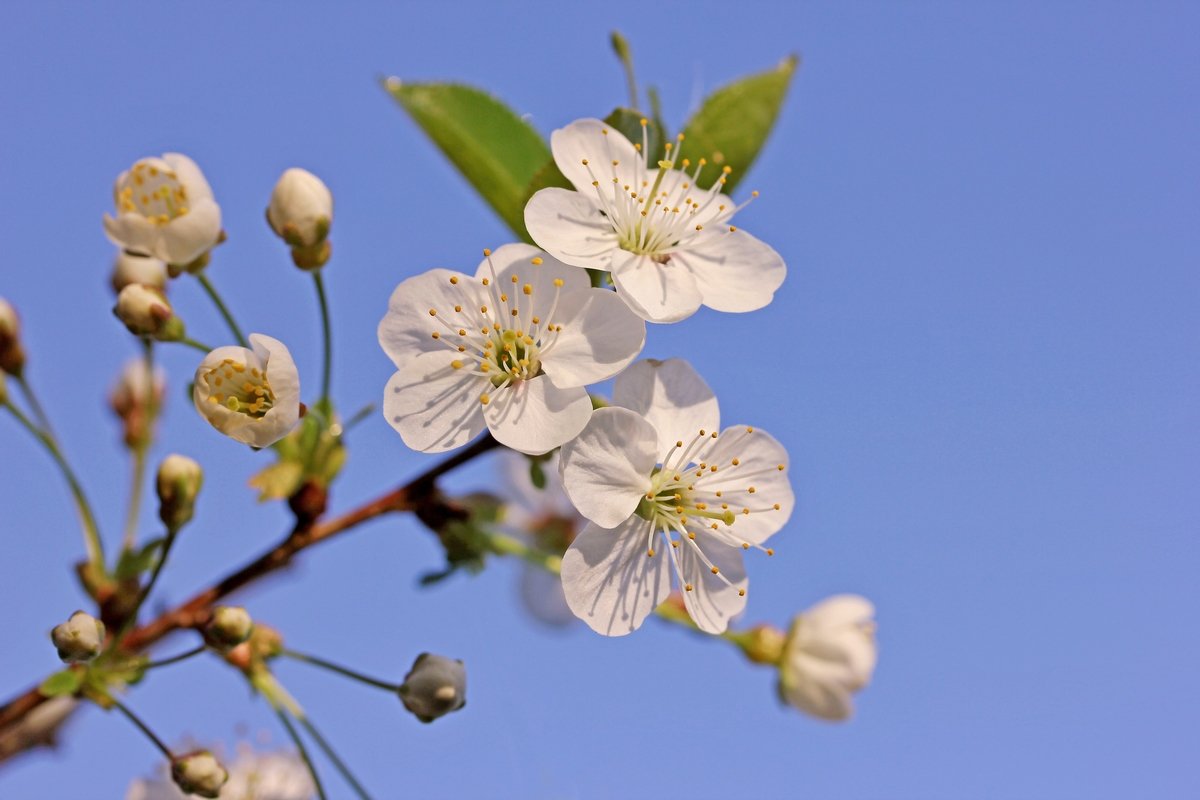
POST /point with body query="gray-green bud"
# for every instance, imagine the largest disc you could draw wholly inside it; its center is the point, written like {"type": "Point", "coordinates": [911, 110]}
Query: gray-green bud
{"type": "Point", "coordinates": [199, 773]}
{"type": "Point", "coordinates": [179, 482]}
{"type": "Point", "coordinates": [229, 627]}
{"type": "Point", "coordinates": [79, 639]}
{"type": "Point", "coordinates": [434, 687]}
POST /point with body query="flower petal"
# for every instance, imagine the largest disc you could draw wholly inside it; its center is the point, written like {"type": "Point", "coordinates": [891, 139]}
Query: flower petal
{"type": "Point", "coordinates": [733, 270]}
{"type": "Point", "coordinates": [535, 416]}
{"type": "Point", "coordinates": [606, 469]}
{"type": "Point", "coordinates": [759, 457]}
{"type": "Point", "coordinates": [839, 610]}
{"type": "Point", "coordinates": [656, 292]}
{"type": "Point", "coordinates": [517, 260]}
{"type": "Point", "coordinates": [407, 328]}
{"type": "Point", "coordinates": [599, 338]}
{"type": "Point", "coordinates": [671, 396]}
{"type": "Point", "coordinates": [712, 603]}
{"type": "Point", "coordinates": [569, 226]}
{"type": "Point", "coordinates": [600, 145]}
{"type": "Point", "coordinates": [186, 238]}
{"type": "Point", "coordinates": [132, 232]}
{"type": "Point", "coordinates": [285, 383]}
{"type": "Point", "coordinates": [433, 406]}
{"type": "Point", "coordinates": [809, 690]}
{"type": "Point", "coordinates": [609, 581]}
{"type": "Point", "coordinates": [189, 174]}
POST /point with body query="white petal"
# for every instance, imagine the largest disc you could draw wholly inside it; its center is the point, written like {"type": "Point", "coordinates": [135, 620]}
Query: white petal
{"type": "Point", "coordinates": [407, 328]}
{"type": "Point", "coordinates": [712, 603]}
{"type": "Point", "coordinates": [186, 238]}
{"type": "Point", "coordinates": [600, 336]}
{"type": "Point", "coordinates": [517, 260]}
{"type": "Point", "coordinates": [132, 232]}
{"type": "Point", "coordinates": [535, 416]}
{"type": "Point", "coordinates": [733, 270]}
{"type": "Point", "coordinates": [433, 406]}
{"type": "Point", "coordinates": [759, 456]}
{"type": "Point", "coordinates": [609, 581]}
{"type": "Point", "coordinates": [809, 690]}
{"type": "Point", "coordinates": [606, 469]}
{"type": "Point", "coordinates": [656, 292]}
{"type": "Point", "coordinates": [841, 609]}
{"type": "Point", "coordinates": [672, 397]}
{"type": "Point", "coordinates": [187, 173]}
{"type": "Point", "coordinates": [600, 145]}
{"type": "Point", "coordinates": [285, 383]}
{"type": "Point", "coordinates": [570, 227]}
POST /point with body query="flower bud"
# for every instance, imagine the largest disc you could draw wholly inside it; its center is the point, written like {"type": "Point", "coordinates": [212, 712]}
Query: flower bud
{"type": "Point", "coordinates": [301, 209]}
{"type": "Point", "coordinates": [147, 312]}
{"type": "Point", "coordinates": [829, 655]}
{"type": "Point", "coordinates": [135, 399]}
{"type": "Point", "coordinates": [12, 356]}
{"type": "Point", "coordinates": [130, 268]}
{"type": "Point", "coordinates": [435, 686]}
{"type": "Point", "coordinates": [229, 627]}
{"type": "Point", "coordinates": [199, 773]}
{"type": "Point", "coordinates": [179, 481]}
{"type": "Point", "coordinates": [79, 639]}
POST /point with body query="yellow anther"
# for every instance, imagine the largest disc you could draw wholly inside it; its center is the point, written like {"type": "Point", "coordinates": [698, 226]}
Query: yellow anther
{"type": "Point", "coordinates": [715, 571]}
{"type": "Point", "coordinates": [456, 364]}
{"type": "Point", "coordinates": [750, 490]}
{"type": "Point", "coordinates": [515, 279]}
{"type": "Point", "coordinates": [458, 308]}
{"type": "Point", "coordinates": [735, 462]}
{"type": "Point", "coordinates": [527, 289]}
{"type": "Point", "coordinates": [754, 194]}
{"type": "Point", "coordinates": [770, 552]}
{"type": "Point", "coordinates": [585, 162]}
{"type": "Point", "coordinates": [649, 554]}
{"type": "Point", "coordinates": [454, 280]}
{"type": "Point", "coordinates": [483, 398]}
{"type": "Point", "coordinates": [486, 252]}
{"type": "Point", "coordinates": [687, 587]}
{"type": "Point", "coordinates": [745, 545]}
{"type": "Point", "coordinates": [732, 229]}
{"type": "Point", "coordinates": [483, 309]}
{"type": "Point", "coordinates": [727, 169]}
{"type": "Point", "coordinates": [691, 535]}
{"type": "Point", "coordinates": [433, 312]}
{"type": "Point", "coordinates": [514, 312]}
{"type": "Point", "coordinates": [536, 260]}
{"type": "Point", "coordinates": [781, 467]}
{"type": "Point", "coordinates": [776, 506]}
{"type": "Point", "coordinates": [558, 283]}
{"type": "Point", "coordinates": [643, 122]}
{"type": "Point", "coordinates": [741, 592]}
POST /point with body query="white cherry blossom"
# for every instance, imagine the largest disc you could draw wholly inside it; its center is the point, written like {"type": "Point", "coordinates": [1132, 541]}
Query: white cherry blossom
{"type": "Point", "coordinates": [165, 209]}
{"type": "Point", "coordinates": [510, 349]}
{"type": "Point", "coordinates": [666, 242]}
{"type": "Point", "coordinates": [666, 493]}
{"type": "Point", "coordinates": [251, 394]}
{"type": "Point", "coordinates": [829, 655]}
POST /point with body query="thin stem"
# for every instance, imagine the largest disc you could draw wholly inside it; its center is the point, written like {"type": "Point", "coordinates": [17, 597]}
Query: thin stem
{"type": "Point", "coordinates": [220, 304]}
{"type": "Point", "coordinates": [140, 449]}
{"type": "Point", "coordinates": [506, 545]}
{"type": "Point", "coordinates": [292, 732]}
{"type": "Point", "coordinates": [91, 531]}
{"type": "Point", "coordinates": [39, 413]}
{"type": "Point", "coordinates": [192, 343]}
{"type": "Point", "coordinates": [326, 338]}
{"type": "Point", "coordinates": [132, 717]}
{"type": "Point", "coordinates": [195, 651]}
{"type": "Point", "coordinates": [158, 567]}
{"type": "Point", "coordinates": [332, 755]}
{"type": "Point", "coordinates": [357, 417]}
{"type": "Point", "coordinates": [344, 671]}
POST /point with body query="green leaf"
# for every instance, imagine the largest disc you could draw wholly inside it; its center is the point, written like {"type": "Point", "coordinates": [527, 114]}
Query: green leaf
{"type": "Point", "coordinates": [278, 481]}
{"type": "Point", "coordinates": [134, 562]}
{"type": "Point", "coordinates": [67, 681]}
{"type": "Point", "coordinates": [734, 121]}
{"type": "Point", "coordinates": [494, 149]}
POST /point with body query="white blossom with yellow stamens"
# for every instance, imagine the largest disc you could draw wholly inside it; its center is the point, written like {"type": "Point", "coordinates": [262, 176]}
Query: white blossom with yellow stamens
{"type": "Point", "coordinates": [510, 349]}
{"type": "Point", "coordinates": [666, 242]}
{"type": "Point", "coordinates": [165, 209]}
{"type": "Point", "coordinates": [251, 394]}
{"type": "Point", "coordinates": [666, 493]}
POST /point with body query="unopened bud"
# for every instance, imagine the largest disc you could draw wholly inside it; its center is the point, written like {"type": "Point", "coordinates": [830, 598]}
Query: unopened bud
{"type": "Point", "coordinates": [199, 773]}
{"type": "Point", "coordinates": [79, 639]}
{"type": "Point", "coordinates": [12, 356]}
{"type": "Point", "coordinates": [147, 312]}
{"type": "Point", "coordinates": [229, 627]}
{"type": "Point", "coordinates": [763, 644]}
{"type": "Point", "coordinates": [135, 398]}
{"type": "Point", "coordinates": [301, 208]}
{"type": "Point", "coordinates": [3, 389]}
{"type": "Point", "coordinates": [435, 686]}
{"type": "Point", "coordinates": [179, 481]}
{"type": "Point", "coordinates": [129, 268]}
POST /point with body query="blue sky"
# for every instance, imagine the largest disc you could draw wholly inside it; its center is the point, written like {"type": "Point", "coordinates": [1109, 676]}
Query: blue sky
{"type": "Point", "coordinates": [984, 363]}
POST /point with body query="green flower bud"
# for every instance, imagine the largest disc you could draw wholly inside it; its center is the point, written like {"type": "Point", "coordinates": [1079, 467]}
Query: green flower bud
{"type": "Point", "coordinates": [199, 773]}
{"type": "Point", "coordinates": [229, 627]}
{"type": "Point", "coordinates": [179, 481]}
{"type": "Point", "coordinates": [79, 639]}
{"type": "Point", "coordinates": [434, 687]}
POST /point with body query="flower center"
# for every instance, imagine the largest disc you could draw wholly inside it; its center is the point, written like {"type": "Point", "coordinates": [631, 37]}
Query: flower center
{"type": "Point", "coordinates": [239, 388]}
{"type": "Point", "coordinates": [505, 337]}
{"type": "Point", "coordinates": [153, 192]}
{"type": "Point", "coordinates": [689, 498]}
{"type": "Point", "coordinates": [662, 209]}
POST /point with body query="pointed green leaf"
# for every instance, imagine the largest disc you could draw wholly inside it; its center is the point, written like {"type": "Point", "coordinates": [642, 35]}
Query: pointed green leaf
{"type": "Point", "coordinates": [734, 121]}
{"type": "Point", "coordinates": [134, 562]}
{"type": "Point", "coordinates": [494, 149]}
{"type": "Point", "coordinates": [60, 683]}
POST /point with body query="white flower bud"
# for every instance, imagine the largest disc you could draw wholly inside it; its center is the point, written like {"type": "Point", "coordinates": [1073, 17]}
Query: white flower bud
{"type": "Point", "coordinates": [179, 481]}
{"type": "Point", "coordinates": [12, 356]}
{"type": "Point", "coordinates": [165, 209]}
{"type": "Point", "coordinates": [79, 639]}
{"type": "Point", "coordinates": [135, 398]}
{"type": "Point", "coordinates": [129, 268]}
{"type": "Point", "coordinates": [229, 627]}
{"type": "Point", "coordinates": [829, 655]}
{"type": "Point", "coordinates": [147, 312]}
{"type": "Point", "coordinates": [301, 209]}
{"type": "Point", "coordinates": [199, 773]}
{"type": "Point", "coordinates": [435, 686]}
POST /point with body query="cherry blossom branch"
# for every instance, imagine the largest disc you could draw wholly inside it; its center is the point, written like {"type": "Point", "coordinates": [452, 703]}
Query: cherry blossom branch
{"type": "Point", "coordinates": [420, 496]}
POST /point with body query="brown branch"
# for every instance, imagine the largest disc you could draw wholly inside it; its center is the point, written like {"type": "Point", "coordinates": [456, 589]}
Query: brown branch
{"type": "Point", "coordinates": [419, 495]}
